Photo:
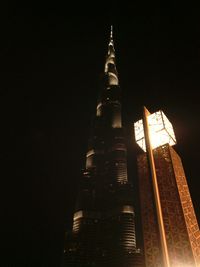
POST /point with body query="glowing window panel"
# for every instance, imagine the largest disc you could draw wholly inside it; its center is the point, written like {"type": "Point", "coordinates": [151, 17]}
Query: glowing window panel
{"type": "Point", "coordinates": [160, 131]}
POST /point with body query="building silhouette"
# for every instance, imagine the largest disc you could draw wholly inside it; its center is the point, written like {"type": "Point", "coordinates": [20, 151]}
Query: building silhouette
{"type": "Point", "coordinates": [170, 229]}
{"type": "Point", "coordinates": [103, 231]}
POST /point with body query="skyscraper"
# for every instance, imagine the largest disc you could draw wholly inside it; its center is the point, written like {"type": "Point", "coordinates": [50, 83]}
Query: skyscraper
{"type": "Point", "coordinates": [170, 228]}
{"type": "Point", "coordinates": [103, 231]}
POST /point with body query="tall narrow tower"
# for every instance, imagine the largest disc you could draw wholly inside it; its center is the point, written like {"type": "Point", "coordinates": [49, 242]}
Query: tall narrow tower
{"type": "Point", "coordinates": [103, 231]}
{"type": "Point", "coordinates": [170, 228]}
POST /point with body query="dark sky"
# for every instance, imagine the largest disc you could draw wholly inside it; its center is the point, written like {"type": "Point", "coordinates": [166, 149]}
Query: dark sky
{"type": "Point", "coordinates": [52, 59]}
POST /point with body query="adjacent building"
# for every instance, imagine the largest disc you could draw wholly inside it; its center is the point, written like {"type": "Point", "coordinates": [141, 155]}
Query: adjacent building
{"type": "Point", "coordinates": [170, 229]}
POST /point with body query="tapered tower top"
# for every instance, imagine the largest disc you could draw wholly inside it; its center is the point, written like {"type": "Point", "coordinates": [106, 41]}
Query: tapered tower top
{"type": "Point", "coordinates": [111, 36]}
{"type": "Point", "coordinates": [110, 65]}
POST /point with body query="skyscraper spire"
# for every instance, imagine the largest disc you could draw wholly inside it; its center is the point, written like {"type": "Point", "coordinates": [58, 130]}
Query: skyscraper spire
{"type": "Point", "coordinates": [110, 65]}
{"type": "Point", "coordinates": [111, 36]}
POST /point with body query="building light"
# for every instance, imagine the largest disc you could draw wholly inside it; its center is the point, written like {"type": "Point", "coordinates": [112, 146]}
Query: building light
{"type": "Point", "coordinates": [161, 131]}
{"type": "Point", "coordinates": [90, 152]}
{"type": "Point", "coordinates": [89, 158]}
{"type": "Point", "coordinates": [99, 106]}
{"type": "Point", "coordinates": [77, 221]}
{"type": "Point", "coordinates": [78, 215]}
{"type": "Point", "coordinates": [127, 209]}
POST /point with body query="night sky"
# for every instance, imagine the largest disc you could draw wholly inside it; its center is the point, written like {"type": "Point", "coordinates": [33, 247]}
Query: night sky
{"type": "Point", "coordinates": [51, 64]}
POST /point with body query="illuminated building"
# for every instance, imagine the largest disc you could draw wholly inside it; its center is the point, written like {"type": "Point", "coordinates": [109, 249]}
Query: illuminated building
{"type": "Point", "coordinates": [170, 229]}
{"type": "Point", "coordinates": [103, 231]}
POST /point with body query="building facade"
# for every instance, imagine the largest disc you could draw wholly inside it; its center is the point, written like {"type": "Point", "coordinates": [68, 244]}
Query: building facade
{"type": "Point", "coordinates": [103, 231]}
{"type": "Point", "coordinates": [180, 226]}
